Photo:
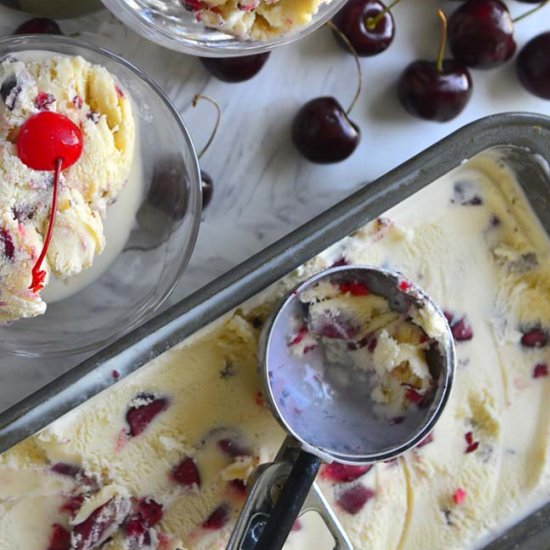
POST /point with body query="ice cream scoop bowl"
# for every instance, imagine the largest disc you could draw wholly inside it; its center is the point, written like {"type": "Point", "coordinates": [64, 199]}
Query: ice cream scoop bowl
{"type": "Point", "coordinates": [327, 409]}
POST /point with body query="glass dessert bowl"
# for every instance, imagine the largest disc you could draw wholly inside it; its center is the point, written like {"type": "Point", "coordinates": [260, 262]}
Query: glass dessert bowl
{"type": "Point", "coordinates": [169, 24]}
{"type": "Point", "coordinates": [152, 225]}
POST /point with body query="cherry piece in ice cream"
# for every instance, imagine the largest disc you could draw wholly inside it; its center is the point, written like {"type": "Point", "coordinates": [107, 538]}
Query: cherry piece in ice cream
{"type": "Point", "coordinates": [535, 337]}
{"type": "Point", "coordinates": [94, 528]}
{"type": "Point", "coordinates": [459, 496]}
{"type": "Point", "coordinates": [343, 473]}
{"type": "Point", "coordinates": [60, 538]}
{"type": "Point", "coordinates": [460, 327]}
{"type": "Point", "coordinates": [186, 473]}
{"type": "Point", "coordinates": [218, 518]}
{"type": "Point", "coordinates": [140, 416]}
{"type": "Point", "coordinates": [352, 500]}
{"type": "Point", "coordinates": [540, 370]}
{"type": "Point", "coordinates": [7, 246]}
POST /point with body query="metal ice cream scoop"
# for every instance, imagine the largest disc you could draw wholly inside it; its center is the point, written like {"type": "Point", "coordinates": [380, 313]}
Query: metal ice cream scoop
{"type": "Point", "coordinates": [328, 412]}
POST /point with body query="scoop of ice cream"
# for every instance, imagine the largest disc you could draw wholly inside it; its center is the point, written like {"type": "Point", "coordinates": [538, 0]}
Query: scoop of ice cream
{"type": "Point", "coordinates": [356, 328]}
{"type": "Point", "coordinates": [255, 19]}
{"type": "Point", "coordinates": [90, 97]}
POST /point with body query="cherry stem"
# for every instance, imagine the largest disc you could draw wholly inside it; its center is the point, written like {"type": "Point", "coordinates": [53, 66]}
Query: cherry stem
{"type": "Point", "coordinates": [530, 12]}
{"type": "Point", "coordinates": [39, 275]}
{"type": "Point", "coordinates": [196, 99]}
{"type": "Point", "coordinates": [350, 47]}
{"type": "Point", "coordinates": [371, 22]}
{"type": "Point", "coordinates": [441, 53]}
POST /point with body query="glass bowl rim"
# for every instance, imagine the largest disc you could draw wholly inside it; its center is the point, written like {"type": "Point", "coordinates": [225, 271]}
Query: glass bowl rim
{"type": "Point", "coordinates": [42, 42]}
{"type": "Point", "coordinates": [122, 11]}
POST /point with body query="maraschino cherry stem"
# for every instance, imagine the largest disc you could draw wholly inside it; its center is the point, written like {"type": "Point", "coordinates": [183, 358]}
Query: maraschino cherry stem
{"type": "Point", "coordinates": [39, 275]}
{"type": "Point", "coordinates": [350, 47]}
{"type": "Point", "coordinates": [530, 12]}
{"type": "Point", "coordinates": [196, 99]}
{"type": "Point", "coordinates": [441, 53]}
{"type": "Point", "coordinates": [371, 22]}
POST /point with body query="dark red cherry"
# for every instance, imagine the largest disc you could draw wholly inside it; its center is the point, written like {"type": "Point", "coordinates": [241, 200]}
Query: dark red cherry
{"type": "Point", "coordinates": [38, 25]}
{"type": "Point", "coordinates": [356, 20]}
{"type": "Point", "coordinates": [435, 90]}
{"type": "Point", "coordinates": [47, 137]}
{"type": "Point", "coordinates": [323, 132]}
{"type": "Point", "coordinates": [533, 65]}
{"type": "Point", "coordinates": [481, 34]}
{"type": "Point", "coordinates": [435, 95]}
{"type": "Point", "coordinates": [207, 186]}
{"type": "Point", "coordinates": [235, 69]}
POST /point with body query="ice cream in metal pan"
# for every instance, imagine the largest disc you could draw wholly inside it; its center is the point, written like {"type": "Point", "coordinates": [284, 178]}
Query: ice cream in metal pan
{"type": "Point", "coordinates": [357, 364]}
{"type": "Point", "coordinates": [167, 453]}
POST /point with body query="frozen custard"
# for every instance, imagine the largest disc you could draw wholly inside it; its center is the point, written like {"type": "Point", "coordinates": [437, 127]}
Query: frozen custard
{"type": "Point", "coordinates": [355, 328]}
{"type": "Point", "coordinates": [162, 459]}
{"type": "Point", "coordinates": [254, 19]}
{"type": "Point", "coordinates": [89, 96]}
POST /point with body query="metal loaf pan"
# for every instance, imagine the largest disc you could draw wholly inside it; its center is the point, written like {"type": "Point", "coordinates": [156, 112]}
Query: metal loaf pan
{"type": "Point", "coordinates": [524, 142]}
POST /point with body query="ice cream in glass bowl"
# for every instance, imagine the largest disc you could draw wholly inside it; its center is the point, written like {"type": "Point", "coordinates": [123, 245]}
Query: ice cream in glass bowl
{"type": "Point", "coordinates": [224, 28]}
{"type": "Point", "coordinates": [93, 239]}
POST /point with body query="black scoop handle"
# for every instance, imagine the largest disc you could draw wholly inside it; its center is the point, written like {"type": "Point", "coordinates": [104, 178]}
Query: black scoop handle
{"type": "Point", "coordinates": [289, 504]}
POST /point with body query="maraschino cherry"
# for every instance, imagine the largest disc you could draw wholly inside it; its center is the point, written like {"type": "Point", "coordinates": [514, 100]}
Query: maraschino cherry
{"type": "Point", "coordinates": [322, 131]}
{"type": "Point", "coordinates": [367, 24]}
{"type": "Point", "coordinates": [438, 90]}
{"type": "Point", "coordinates": [48, 141]}
{"type": "Point", "coordinates": [207, 183]}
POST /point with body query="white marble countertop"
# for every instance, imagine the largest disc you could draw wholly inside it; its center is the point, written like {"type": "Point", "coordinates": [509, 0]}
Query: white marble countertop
{"type": "Point", "coordinates": [263, 189]}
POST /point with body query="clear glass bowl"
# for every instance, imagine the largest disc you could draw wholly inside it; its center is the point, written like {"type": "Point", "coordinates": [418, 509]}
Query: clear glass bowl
{"type": "Point", "coordinates": [167, 23]}
{"type": "Point", "coordinates": [163, 237]}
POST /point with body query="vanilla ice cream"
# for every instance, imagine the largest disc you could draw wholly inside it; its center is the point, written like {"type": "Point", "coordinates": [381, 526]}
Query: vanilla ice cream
{"type": "Point", "coordinates": [89, 96]}
{"type": "Point", "coordinates": [254, 19]}
{"type": "Point", "coordinates": [354, 328]}
{"type": "Point", "coordinates": [161, 460]}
